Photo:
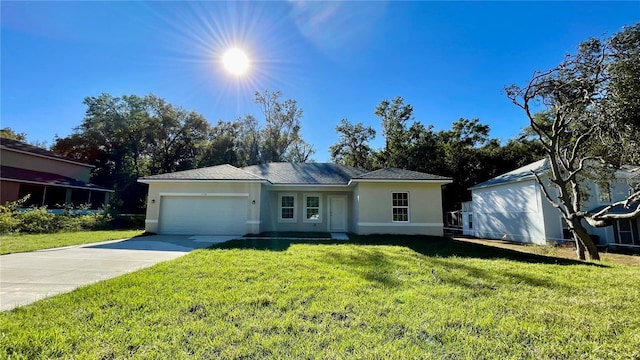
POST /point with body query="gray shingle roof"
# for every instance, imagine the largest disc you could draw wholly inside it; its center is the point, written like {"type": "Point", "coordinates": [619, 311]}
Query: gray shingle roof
{"type": "Point", "coordinates": [519, 174]}
{"type": "Point", "coordinates": [305, 173]}
{"type": "Point", "coordinates": [398, 174]}
{"type": "Point", "coordinates": [296, 174]}
{"type": "Point", "coordinates": [219, 172]}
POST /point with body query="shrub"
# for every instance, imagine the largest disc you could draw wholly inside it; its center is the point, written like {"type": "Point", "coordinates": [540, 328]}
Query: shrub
{"type": "Point", "coordinates": [8, 219]}
{"type": "Point", "coordinates": [8, 223]}
{"type": "Point", "coordinates": [39, 220]}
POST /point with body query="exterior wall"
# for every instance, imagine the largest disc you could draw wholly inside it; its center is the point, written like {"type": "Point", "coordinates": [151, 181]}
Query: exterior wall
{"type": "Point", "coordinates": [37, 163]}
{"type": "Point", "coordinates": [499, 215]}
{"type": "Point", "coordinates": [468, 227]}
{"type": "Point", "coordinates": [553, 219]}
{"type": "Point", "coordinates": [157, 189]}
{"type": "Point", "coordinates": [270, 208]}
{"type": "Point", "coordinates": [9, 191]}
{"type": "Point", "coordinates": [553, 222]}
{"type": "Point", "coordinates": [510, 211]}
{"type": "Point", "coordinates": [618, 191]}
{"type": "Point", "coordinates": [356, 210]}
{"type": "Point", "coordinates": [374, 208]}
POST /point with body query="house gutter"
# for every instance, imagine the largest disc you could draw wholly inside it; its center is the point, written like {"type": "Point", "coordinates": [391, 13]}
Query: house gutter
{"type": "Point", "coordinates": [443, 181]}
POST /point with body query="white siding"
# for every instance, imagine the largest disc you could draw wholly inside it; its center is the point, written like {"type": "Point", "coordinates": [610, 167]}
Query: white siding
{"type": "Point", "coordinates": [510, 211]}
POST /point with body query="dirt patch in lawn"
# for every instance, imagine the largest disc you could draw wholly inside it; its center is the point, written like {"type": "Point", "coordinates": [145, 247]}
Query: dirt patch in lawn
{"type": "Point", "coordinates": [555, 251]}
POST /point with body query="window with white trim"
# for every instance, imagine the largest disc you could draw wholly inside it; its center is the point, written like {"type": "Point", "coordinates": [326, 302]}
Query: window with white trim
{"type": "Point", "coordinates": [312, 208]}
{"type": "Point", "coordinates": [400, 206]}
{"type": "Point", "coordinates": [287, 207]}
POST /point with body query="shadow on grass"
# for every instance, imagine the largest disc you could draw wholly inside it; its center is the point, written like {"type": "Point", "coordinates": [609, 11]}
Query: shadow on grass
{"type": "Point", "coordinates": [431, 246]}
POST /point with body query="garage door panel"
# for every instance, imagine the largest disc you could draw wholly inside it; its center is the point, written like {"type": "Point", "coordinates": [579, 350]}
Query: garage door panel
{"type": "Point", "coordinates": [193, 215]}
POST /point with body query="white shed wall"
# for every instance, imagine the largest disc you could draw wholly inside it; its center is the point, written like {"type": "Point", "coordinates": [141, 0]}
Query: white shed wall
{"type": "Point", "coordinates": [509, 211]}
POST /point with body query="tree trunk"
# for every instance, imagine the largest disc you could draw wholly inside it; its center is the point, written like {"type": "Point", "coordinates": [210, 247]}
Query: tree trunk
{"type": "Point", "coordinates": [584, 243]}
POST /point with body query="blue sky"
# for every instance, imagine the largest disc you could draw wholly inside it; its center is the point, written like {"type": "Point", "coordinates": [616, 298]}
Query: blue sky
{"type": "Point", "coordinates": [337, 59]}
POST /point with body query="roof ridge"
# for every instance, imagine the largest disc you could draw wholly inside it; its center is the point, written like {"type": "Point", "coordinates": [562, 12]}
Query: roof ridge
{"type": "Point", "coordinates": [244, 171]}
{"type": "Point", "coordinates": [518, 174]}
{"type": "Point", "coordinates": [406, 171]}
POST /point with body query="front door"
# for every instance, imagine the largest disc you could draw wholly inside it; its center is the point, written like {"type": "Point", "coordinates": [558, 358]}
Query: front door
{"type": "Point", "coordinates": [337, 213]}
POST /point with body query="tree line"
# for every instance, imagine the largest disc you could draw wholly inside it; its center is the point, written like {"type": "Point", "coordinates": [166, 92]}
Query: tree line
{"type": "Point", "coordinates": [465, 152]}
{"type": "Point", "coordinates": [132, 136]}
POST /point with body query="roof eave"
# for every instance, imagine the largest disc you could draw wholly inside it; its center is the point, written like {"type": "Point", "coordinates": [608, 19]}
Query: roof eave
{"type": "Point", "coordinates": [433, 181]}
{"type": "Point", "coordinates": [332, 185]}
{"type": "Point", "coordinates": [47, 157]}
{"type": "Point", "coordinates": [480, 186]}
{"type": "Point", "coordinates": [96, 188]}
{"type": "Point", "coordinates": [148, 181]}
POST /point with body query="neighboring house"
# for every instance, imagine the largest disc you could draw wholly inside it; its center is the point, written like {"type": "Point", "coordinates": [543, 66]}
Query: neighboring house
{"type": "Point", "coordinates": [226, 200]}
{"type": "Point", "coordinates": [51, 180]}
{"type": "Point", "coordinates": [512, 207]}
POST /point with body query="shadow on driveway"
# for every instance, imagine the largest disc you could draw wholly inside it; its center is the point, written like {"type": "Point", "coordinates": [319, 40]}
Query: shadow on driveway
{"type": "Point", "coordinates": [181, 243]}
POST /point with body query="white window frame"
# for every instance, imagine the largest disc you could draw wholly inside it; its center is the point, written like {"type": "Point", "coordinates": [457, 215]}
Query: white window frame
{"type": "Point", "coordinates": [304, 213]}
{"type": "Point", "coordinates": [400, 207]}
{"type": "Point", "coordinates": [630, 232]}
{"type": "Point", "coordinates": [280, 207]}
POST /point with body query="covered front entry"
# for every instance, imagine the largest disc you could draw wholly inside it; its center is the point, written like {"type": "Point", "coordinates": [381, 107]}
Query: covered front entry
{"type": "Point", "coordinates": [203, 215]}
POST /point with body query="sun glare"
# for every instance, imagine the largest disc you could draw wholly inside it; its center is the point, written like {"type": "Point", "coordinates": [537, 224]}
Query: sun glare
{"type": "Point", "coordinates": [235, 61]}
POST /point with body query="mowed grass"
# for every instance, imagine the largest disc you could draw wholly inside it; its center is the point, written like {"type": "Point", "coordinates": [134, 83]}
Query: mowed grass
{"type": "Point", "coordinates": [372, 298]}
{"type": "Point", "coordinates": [30, 242]}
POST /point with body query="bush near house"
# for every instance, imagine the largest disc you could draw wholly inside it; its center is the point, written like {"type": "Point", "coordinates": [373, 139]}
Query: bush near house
{"type": "Point", "coordinates": [37, 220]}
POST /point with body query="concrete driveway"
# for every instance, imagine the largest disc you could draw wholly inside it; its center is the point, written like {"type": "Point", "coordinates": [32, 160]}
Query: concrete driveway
{"type": "Point", "coordinates": [27, 277]}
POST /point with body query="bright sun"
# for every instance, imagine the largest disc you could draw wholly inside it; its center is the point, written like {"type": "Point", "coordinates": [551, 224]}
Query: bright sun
{"type": "Point", "coordinates": [235, 61]}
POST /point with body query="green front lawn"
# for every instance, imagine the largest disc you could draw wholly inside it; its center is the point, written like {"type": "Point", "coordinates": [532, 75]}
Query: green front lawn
{"type": "Point", "coordinates": [30, 242]}
{"type": "Point", "coordinates": [370, 298]}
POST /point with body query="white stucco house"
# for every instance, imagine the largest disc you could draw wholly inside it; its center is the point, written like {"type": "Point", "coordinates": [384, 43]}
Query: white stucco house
{"type": "Point", "coordinates": [512, 207]}
{"type": "Point", "coordinates": [226, 200]}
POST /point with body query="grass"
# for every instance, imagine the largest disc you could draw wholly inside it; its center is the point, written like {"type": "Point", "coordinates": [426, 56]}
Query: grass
{"type": "Point", "coordinates": [291, 234]}
{"type": "Point", "coordinates": [559, 251]}
{"type": "Point", "coordinates": [30, 242]}
{"type": "Point", "coordinates": [369, 298]}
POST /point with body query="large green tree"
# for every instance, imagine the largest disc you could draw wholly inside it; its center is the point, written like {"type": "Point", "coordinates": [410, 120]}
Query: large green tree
{"type": "Point", "coordinates": [395, 115]}
{"type": "Point", "coordinates": [131, 136]}
{"type": "Point", "coordinates": [353, 147]}
{"type": "Point", "coordinates": [281, 139]}
{"type": "Point", "coordinates": [589, 126]}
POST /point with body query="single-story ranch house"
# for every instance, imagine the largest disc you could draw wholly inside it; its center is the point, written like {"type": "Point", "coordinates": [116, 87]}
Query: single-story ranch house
{"type": "Point", "coordinates": [226, 200]}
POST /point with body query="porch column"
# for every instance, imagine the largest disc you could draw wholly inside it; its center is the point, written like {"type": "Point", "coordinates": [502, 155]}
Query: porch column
{"type": "Point", "coordinates": [67, 196]}
{"type": "Point", "coordinates": [44, 195]}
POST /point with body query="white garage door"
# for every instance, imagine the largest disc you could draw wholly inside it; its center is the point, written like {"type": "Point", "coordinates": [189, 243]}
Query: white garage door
{"type": "Point", "coordinates": [193, 215]}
